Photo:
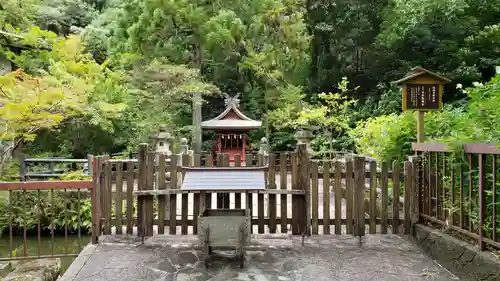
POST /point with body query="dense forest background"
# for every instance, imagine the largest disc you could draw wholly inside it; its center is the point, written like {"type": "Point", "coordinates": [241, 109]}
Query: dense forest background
{"type": "Point", "coordinates": [99, 76]}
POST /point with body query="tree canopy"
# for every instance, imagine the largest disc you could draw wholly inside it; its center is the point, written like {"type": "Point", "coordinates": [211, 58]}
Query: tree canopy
{"type": "Point", "coordinates": [99, 76]}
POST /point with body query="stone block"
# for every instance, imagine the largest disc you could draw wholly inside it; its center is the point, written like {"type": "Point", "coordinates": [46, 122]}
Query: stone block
{"type": "Point", "coordinates": [459, 257]}
{"type": "Point", "coordinates": [5, 268]}
{"type": "Point", "coordinates": [36, 270]}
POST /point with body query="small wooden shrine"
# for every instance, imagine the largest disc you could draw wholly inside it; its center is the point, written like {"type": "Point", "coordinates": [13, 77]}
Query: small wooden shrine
{"type": "Point", "coordinates": [231, 127]}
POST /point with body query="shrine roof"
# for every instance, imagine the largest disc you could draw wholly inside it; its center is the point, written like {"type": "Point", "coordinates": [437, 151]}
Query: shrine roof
{"type": "Point", "coordinates": [238, 120]}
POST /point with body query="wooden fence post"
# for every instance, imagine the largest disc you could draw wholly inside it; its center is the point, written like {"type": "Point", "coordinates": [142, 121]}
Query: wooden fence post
{"type": "Point", "coordinates": [172, 199]}
{"type": "Point", "coordinates": [98, 192]}
{"type": "Point", "coordinates": [407, 196]}
{"type": "Point", "coordinates": [148, 200]}
{"type": "Point", "coordinates": [349, 170]}
{"type": "Point", "coordinates": [106, 194]}
{"type": "Point", "coordinates": [415, 194]}
{"type": "Point", "coordinates": [142, 160]}
{"type": "Point", "coordinates": [395, 197]}
{"type": "Point", "coordinates": [359, 195]}
{"type": "Point", "coordinates": [95, 206]}
{"type": "Point", "coordinates": [304, 184]}
{"type": "Point", "coordinates": [186, 162]}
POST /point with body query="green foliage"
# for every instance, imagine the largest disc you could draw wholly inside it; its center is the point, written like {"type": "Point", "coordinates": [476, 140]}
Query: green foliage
{"type": "Point", "coordinates": [137, 63]}
{"type": "Point", "coordinates": [160, 94]}
{"type": "Point", "coordinates": [258, 48]}
{"type": "Point", "coordinates": [389, 137]}
{"type": "Point", "coordinates": [19, 14]}
{"type": "Point", "coordinates": [75, 175]}
{"type": "Point", "coordinates": [60, 86]}
{"type": "Point", "coordinates": [61, 15]}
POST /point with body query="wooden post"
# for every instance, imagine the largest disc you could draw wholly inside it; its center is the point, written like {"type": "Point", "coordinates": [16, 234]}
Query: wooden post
{"type": "Point", "coordinates": [407, 196]}
{"type": "Point", "coordinates": [162, 184]}
{"type": "Point", "coordinates": [303, 183]}
{"type": "Point", "coordinates": [314, 198]}
{"type": "Point", "coordinates": [338, 197]}
{"type": "Point", "coordinates": [359, 195]}
{"type": "Point", "coordinates": [119, 197]}
{"type": "Point", "coordinates": [143, 149]}
{"type": "Point", "coordinates": [197, 203]}
{"type": "Point", "coordinates": [395, 197]}
{"type": "Point", "coordinates": [420, 126]}
{"type": "Point", "coordinates": [130, 197]}
{"type": "Point", "coordinates": [184, 199]}
{"type": "Point", "coordinates": [373, 198]}
{"type": "Point", "coordinates": [326, 197]}
{"type": "Point", "coordinates": [95, 206]}
{"type": "Point", "coordinates": [98, 191]}
{"type": "Point", "coordinates": [415, 194]}
{"type": "Point", "coordinates": [283, 198]}
{"type": "Point", "coordinates": [260, 200]}
{"type": "Point", "coordinates": [349, 195]}
{"type": "Point", "coordinates": [249, 195]}
{"type": "Point", "coordinates": [385, 197]}
{"type": "Point", "coordinates": [272, 197]}
{"type": "Point", "coordinates": [172, 205]}
{"type": "Point", "coordinates": [149, 199]}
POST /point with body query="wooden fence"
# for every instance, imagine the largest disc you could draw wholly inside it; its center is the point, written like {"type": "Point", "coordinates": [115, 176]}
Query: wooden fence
{"type": "Point", "coordinates": [315, 197]}
{"type": "Point", "coordinates": [459, 190]}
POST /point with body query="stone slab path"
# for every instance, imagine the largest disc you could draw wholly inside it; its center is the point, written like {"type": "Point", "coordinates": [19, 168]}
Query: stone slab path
{"type": "Point", "coordinates": [269, 258]}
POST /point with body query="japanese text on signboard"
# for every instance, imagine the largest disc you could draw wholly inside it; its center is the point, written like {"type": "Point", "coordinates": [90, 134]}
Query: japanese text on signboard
{"type": "Point", "coordinates": [422, 96]}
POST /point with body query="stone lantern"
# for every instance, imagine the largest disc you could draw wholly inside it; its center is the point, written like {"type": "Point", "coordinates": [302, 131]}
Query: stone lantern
{"type": "Point", "coordinates": [304, 136]}
{"type": "Point", "coordinates": [162, 140]}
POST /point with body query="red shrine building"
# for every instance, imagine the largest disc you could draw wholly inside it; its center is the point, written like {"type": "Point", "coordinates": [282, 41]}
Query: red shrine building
{"type": "Point", "coordinates": [231, 127]}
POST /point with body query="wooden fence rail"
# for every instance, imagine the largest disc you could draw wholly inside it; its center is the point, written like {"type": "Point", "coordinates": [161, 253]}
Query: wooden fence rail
{"type": "Point", "coordinates": [305, 200]}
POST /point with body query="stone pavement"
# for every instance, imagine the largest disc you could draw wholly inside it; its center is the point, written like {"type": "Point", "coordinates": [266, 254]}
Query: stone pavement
{"type": "Point", "coordinates": [269, 258]}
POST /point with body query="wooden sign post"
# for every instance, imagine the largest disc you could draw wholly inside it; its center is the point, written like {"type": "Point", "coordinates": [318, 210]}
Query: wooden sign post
{"type": "Point", "coordinates": [422, 91]}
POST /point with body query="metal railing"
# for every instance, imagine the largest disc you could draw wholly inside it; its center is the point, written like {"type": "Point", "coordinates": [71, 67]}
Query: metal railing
{"type": "Point", "coordinates": [50, 168]}
{"type": "Point", "coordinates": [34, 215]}
{"type": "Point", "coordinates": [459, 190]}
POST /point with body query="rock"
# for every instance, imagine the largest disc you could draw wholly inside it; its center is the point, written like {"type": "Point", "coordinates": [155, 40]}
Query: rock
{"type": "Point", "coordinates": [36, 270]}
{"type": "Point", "coordinates": [5, 268]}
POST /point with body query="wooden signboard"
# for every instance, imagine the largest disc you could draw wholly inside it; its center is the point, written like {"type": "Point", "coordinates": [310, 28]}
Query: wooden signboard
{"type": "Point", "coordinates": [422, 91]}
{"type": "Point", "coordinates": [422, 97]}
